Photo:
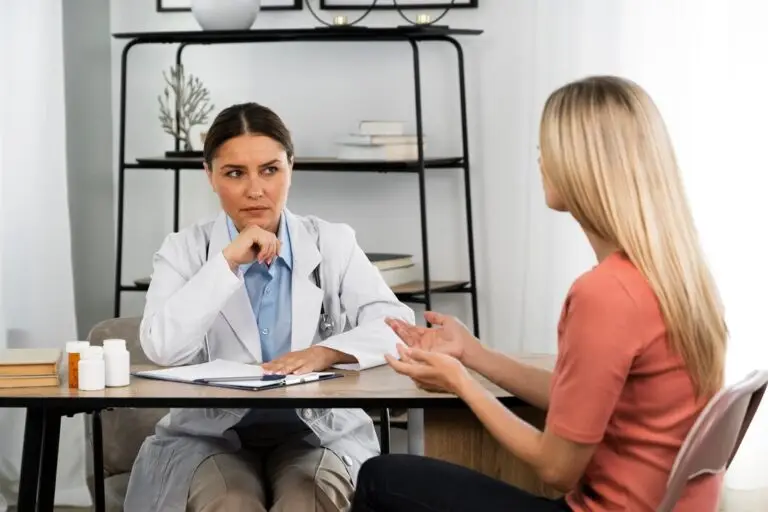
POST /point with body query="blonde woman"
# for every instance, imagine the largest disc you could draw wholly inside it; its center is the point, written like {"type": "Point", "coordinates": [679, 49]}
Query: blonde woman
{"type": "Point", "coordinates": [641, 337]}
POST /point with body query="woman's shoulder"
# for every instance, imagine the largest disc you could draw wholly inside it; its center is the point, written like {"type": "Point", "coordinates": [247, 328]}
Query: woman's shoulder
{"type": "Point", "coordinates": [616, 287]}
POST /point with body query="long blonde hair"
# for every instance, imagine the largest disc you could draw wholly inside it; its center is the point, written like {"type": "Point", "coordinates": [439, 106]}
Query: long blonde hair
{"type": "Point", "coordinates": [606, 152]}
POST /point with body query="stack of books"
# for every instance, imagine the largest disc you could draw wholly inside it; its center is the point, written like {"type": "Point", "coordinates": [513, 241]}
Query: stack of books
{"type": "Point", "coordinates": [29, 367]}
{"type": "Point", "coordinates": [379, 140]}
{"type": "Point", "coordinates": [396, 269]}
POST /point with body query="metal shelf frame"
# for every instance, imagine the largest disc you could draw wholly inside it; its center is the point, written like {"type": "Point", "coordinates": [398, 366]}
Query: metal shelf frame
{"type": "Point", "coordinates": [411, 35]}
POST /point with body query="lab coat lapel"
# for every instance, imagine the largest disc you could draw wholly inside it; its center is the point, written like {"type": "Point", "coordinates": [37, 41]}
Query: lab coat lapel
{"type": "Point", "coordinates": [306, 297]}
{"type": "Point", "coordinates": [237, 311]}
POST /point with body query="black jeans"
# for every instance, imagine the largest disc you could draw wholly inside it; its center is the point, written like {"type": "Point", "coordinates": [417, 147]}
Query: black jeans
{"type": "Point", "coordinates": [407, 483]}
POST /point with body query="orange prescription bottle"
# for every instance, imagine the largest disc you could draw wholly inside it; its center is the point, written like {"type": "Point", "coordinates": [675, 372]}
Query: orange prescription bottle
{"type": "Point", "coordinates": [73, 349]}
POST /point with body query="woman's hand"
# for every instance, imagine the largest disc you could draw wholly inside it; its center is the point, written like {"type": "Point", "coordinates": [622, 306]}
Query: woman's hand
{"type": "Point", "coordinates": [431, 371]}
{"type": "Point", "coordinates": [449, 336]}
{"type": "Point", "coordinates": [312, 359]}
{"type": "Point", "coordinates": [252, 244]}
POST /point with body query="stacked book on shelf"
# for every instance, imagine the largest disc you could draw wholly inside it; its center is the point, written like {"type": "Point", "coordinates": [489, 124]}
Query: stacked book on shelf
{"type": "Point", "coordinates": [29, 367]}
{"type": "Point", "coordinates": [396, 269]}
{"type": "Point", "coordinates": [379, 140]}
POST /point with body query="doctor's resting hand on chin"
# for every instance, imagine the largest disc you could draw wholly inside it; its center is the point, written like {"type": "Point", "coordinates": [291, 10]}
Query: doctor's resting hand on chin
{"type": "Point", "coordinates": [260, 285]}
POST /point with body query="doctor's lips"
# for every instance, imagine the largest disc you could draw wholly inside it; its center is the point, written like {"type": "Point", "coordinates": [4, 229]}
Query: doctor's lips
{"type": "Point", "coordinates": [255, 209]}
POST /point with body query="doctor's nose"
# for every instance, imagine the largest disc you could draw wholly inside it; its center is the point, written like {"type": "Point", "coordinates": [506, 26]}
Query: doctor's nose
{"type": "Point", "coordinates": [255, 188]}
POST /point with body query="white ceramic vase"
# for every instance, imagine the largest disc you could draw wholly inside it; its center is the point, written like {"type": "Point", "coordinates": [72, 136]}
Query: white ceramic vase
{"type": "Point", "coordinates": [225, 14]}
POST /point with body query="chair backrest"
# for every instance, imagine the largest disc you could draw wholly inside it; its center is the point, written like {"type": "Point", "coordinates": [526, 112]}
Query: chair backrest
{"type": "Point", "coordinates": [124, 430]}
{"type": "Point", "coordinates": [716, 435]}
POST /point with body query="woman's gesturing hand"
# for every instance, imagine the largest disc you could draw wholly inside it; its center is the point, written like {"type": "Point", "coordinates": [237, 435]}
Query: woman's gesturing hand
{"type": "Point", "coordinates": [448, 336]}
{"type": "Point", "coordinates": [431, 371]}
{"type": "Point", "coordinates": [252, 244]}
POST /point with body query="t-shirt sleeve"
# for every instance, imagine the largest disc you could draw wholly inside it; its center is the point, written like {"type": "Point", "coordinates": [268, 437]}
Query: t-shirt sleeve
{"type": "Point", "coordinates": [596, 349]}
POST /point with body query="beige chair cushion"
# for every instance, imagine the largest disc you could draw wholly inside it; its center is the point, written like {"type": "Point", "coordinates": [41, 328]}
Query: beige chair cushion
{"type": "Point", "coordinates": [124, 429]}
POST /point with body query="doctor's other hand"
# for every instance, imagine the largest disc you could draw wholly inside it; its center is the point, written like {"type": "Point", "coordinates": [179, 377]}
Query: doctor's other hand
{"type": "Point", "coordinates": [252, 244]}
{"type": "Point", "coordinates": [447, 336]}
{"type": "Point", "coordinates": [312, 359]}
{"type": "Point", "coordinates": [431, 371]}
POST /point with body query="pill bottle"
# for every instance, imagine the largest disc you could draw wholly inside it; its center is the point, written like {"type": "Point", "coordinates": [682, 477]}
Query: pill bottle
{"type": "Point", "coordinates": [91, 369]}
{"type": "Point", "coordinates": [117, 363]}
{"type": "Point", "coordinates": [73, 349]}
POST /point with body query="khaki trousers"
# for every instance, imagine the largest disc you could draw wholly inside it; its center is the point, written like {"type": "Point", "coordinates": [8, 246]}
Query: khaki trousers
{"type": "Point", "coordinates": [293, 477]}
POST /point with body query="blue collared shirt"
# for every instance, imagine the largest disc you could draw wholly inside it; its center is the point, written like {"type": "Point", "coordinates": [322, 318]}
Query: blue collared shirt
{"type": "Point", "coordinates": [269, 290]}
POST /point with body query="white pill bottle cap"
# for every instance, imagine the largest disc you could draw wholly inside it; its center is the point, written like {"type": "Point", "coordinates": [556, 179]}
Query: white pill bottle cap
{"type": "Point", "coordinates": [114, 344]}
{"type": "Point", "coordinates": [92, 353]}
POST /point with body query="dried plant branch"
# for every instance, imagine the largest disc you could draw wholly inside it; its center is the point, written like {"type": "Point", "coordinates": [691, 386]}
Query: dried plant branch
{"type": "Point", "coordinates": [189, 107]}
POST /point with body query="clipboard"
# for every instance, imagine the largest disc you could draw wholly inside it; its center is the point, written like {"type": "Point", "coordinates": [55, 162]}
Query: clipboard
{"type": "Point", "coordinates": [231, 375]}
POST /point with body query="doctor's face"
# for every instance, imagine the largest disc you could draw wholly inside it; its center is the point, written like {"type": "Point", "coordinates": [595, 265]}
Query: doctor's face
{"type": "Point", "coordinates": [251, 174]}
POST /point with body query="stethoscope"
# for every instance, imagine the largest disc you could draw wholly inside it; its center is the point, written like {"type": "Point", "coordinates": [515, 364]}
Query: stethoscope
{"type": "Point", "coordinates": [326, 325]}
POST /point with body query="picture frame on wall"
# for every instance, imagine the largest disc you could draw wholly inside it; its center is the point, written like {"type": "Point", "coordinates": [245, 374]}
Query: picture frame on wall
{"type": "Point", "coordinates": [403, 4]}
{"type": "Point", "coordinates": [266, 5]}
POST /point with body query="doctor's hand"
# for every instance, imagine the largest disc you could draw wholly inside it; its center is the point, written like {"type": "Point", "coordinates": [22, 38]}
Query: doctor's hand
{"type": "Point", "coordinates": [431, 371]}
{"type": "Point", "coordinates": [447, 336]}
{"type": "Point", "coordinates": [252, 244]}
{"type": "Point", "coordinates": [312, 359]}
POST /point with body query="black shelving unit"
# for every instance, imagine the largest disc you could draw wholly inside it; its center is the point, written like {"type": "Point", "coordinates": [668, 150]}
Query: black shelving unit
{"type": "Point", "coordinates": [416, 292]}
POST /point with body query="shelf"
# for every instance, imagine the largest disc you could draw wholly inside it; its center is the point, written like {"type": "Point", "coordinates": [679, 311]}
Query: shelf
{"type": "Point", "coordinates": [401, 33]}
{"type": "Point", "coordinates": [418, 288]}
{"type": "Point", "coordinates": [412, 290]}
{"type": "Point", "coordinates": [312, 164]}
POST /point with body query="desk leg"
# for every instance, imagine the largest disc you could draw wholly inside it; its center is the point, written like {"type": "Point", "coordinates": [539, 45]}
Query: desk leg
{"type": "Point", "coordinates": [98, 462]}
{"type": "Point", "coordinates": [455, 435]}
{"type": "Point", "coordinates": [49, 459]}
{"type": "Point", "coordinates": [384, 422]}
{"type": "Point", "coordinates": [30, 459]}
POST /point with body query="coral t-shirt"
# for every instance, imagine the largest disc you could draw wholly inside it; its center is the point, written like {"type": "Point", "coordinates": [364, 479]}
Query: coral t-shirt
{"type": "Point", "coordinates": [618, 385]}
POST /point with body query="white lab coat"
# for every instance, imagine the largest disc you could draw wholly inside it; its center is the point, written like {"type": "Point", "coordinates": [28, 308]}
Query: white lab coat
{"type": "Point", "coordinates": [194, 293]}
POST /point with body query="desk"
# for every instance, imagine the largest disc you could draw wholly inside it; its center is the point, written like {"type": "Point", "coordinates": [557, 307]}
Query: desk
{"type": "Point", "coordinates": [450, 431]}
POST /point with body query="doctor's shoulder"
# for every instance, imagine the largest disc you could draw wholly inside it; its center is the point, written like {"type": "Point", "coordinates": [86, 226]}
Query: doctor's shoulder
{"type": "Point", "coordinates": [187, 248]}
{"type": "Point", "coordinates": [334, 237]}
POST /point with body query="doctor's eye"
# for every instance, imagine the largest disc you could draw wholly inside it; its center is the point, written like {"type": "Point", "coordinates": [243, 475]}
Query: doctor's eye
{"type": "Point", "coordinates": [235, 173]}
{"type": "Point", "coordinates": [270, 170]}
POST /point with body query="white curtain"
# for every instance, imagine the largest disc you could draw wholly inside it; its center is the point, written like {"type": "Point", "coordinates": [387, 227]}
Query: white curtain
{"type": "Point", "coordinates": [687, 54]}
{"type": "Point", "coordinates": [36, 280]}
{"type": "Point", "coordinates": [703, 63]}
{"type": "Point", "coordinates": [3, 501]}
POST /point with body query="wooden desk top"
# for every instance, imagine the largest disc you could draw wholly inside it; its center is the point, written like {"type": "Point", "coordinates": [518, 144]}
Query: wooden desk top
{"type": "Point", "coordinates": [377, 387]}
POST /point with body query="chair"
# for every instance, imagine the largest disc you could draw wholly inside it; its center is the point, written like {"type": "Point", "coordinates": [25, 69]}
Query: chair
{"type": "Point", "coordinates": [716, 435]}
{"type": "Point", "coordinates": [116, 435]}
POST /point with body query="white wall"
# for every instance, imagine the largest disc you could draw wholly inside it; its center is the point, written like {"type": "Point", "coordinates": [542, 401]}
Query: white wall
{"type": "Point", "coordinates": [88, 94]}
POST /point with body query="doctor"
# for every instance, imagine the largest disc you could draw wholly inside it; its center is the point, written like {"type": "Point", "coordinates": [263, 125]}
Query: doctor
{"type": "Point", "coordinates": [260, 285]}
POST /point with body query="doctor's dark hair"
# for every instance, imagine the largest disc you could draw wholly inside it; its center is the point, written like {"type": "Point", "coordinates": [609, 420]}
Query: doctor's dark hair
{"type": "Point", "coordinates": [246, 119]}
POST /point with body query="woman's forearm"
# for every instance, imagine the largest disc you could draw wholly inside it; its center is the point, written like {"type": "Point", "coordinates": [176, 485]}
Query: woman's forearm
{"type": "Point", "coordinates": [514, 434]}
{"type": "Point", "coordinates": [525, 381]}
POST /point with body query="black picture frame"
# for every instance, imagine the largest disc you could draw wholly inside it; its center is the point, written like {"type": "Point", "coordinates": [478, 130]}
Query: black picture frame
{"type": "Point", "coordinates": [329, 5]}
{"type": "Point", "coordinates": [296, 6]}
